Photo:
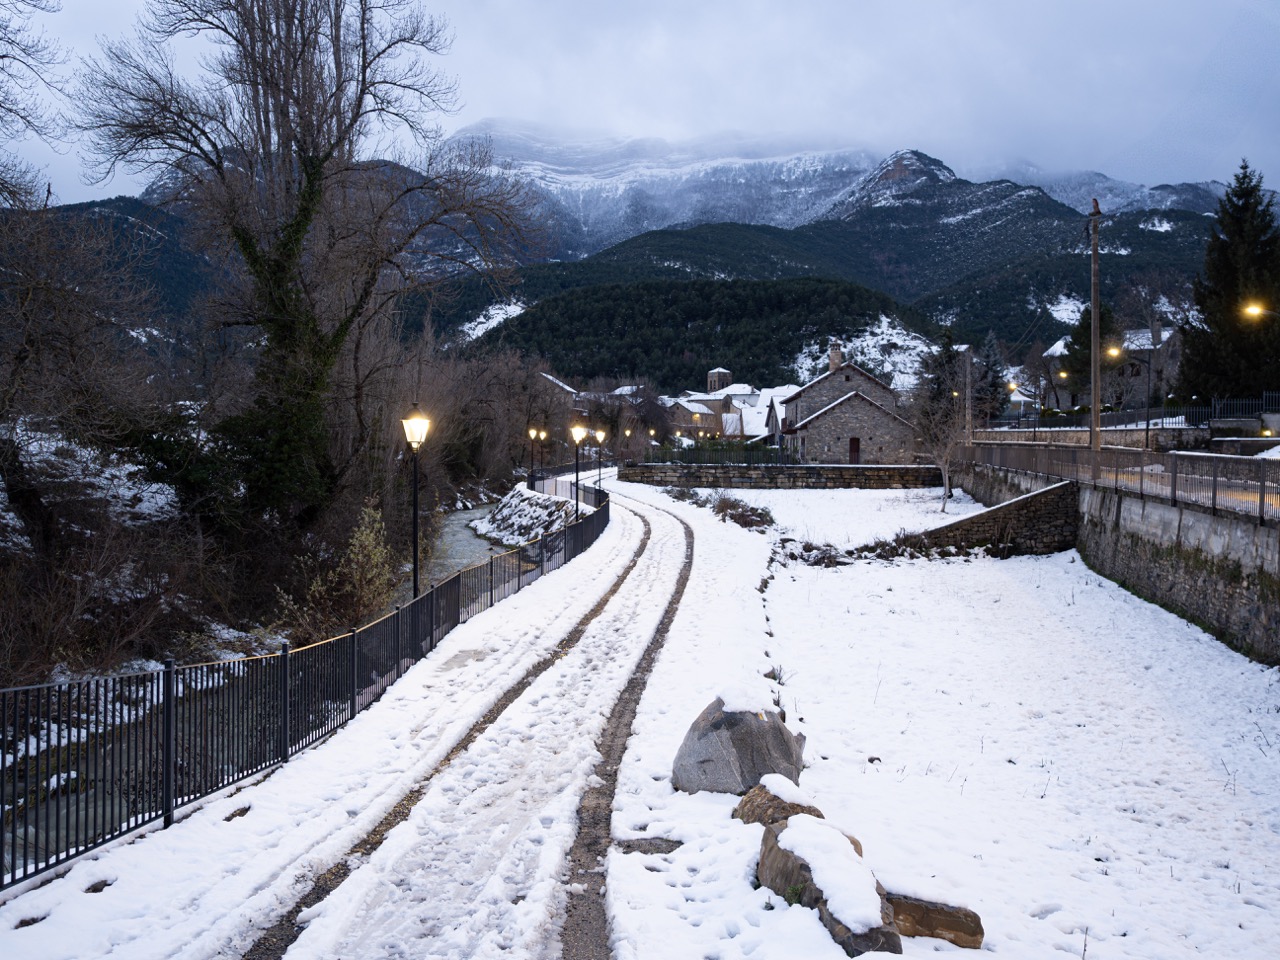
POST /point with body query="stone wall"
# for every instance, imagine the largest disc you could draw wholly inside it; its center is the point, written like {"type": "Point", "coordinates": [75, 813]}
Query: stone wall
{"type": "Point", "coordinates": [1040, 522]}
{"type": "Point", "coordinates": [803, 477]}
{"type": "Point", "coordinates": [1222, 573]}
{"type": "Point", "coordinates": [991, 485]}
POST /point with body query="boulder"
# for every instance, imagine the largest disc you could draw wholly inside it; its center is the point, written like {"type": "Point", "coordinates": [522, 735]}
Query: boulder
{"type": "Point", "coordinates": [762, 805]}
{"type": "Point", "coordinates": [788, 874]}
{"type": "Point", "coordinates": [926, 918]}
{"type": "Point", "coordinates": [728, 752]}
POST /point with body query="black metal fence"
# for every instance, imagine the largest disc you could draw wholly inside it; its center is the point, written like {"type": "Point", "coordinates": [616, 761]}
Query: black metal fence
{"type": "Point", "coordinates": [1247, 486]}
{"type": "Point", "coordinates": [85, 762]}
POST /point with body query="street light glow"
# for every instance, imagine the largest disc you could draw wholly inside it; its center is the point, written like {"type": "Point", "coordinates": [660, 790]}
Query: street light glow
{"type": "Point", "coordinates": [416, 426]}
{"type": "Point", "coordinates": [579, 433]}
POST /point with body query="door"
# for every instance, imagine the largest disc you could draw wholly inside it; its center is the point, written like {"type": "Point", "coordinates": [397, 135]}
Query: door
{"type": "Point", "coordinates": [855, 450]}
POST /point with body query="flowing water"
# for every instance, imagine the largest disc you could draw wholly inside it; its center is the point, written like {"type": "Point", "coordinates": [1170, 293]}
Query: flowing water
{"type": "Point", "coordinates": [458, 545]}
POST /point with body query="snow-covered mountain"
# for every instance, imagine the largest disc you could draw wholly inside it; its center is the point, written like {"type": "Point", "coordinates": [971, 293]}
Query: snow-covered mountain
{"type": "Point", "coordinates": [1078, 190]}
{"type": "Point", "coordinates": [599, 190]}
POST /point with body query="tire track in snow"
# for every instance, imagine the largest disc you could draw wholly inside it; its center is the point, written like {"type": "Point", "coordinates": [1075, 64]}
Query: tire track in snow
{"type": "Point", "coordinates": [476, 869]}
{"type": "Point", "coordinates": [585, 935]}
{"type": "Point", "coordinates": [276, 939]}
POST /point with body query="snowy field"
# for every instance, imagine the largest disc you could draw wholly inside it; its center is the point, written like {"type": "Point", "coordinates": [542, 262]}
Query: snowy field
{"type": "Point", "coordinates": [1095, 777]}
{"type": "Point", "coordinates": [1092, 775]}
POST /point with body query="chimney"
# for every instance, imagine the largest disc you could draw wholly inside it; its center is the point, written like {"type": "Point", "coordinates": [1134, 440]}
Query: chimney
{"type": "Point", "coordinates": [837, 358]}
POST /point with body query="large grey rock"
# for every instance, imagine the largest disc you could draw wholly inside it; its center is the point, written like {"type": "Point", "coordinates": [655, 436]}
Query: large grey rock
{"type": "Point", "coordinates": [790, 877]}
{"type": "Point", "coordinates": [730, 752]}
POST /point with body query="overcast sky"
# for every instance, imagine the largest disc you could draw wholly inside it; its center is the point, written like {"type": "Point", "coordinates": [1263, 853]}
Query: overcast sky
{"type": "Point", "coordinates": [1144, 90]}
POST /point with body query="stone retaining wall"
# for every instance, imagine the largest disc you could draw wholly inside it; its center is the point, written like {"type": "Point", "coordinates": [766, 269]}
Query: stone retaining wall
{"type": "Point", "coordinates": [765, 477]}
{"type": "Point", "coordinates": [1222, 573]}
{"type": "Point", "coordinates": [991, 485]}
{"type": "Point", "coordinates": [1040, 522]}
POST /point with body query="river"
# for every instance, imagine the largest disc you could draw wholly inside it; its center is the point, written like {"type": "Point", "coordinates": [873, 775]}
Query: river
{"type": "Point", "coordinates": [458, 545]}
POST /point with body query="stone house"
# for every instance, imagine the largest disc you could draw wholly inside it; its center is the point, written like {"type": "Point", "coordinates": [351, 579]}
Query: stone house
{"type": "Point", "coordinates": [847, 416]}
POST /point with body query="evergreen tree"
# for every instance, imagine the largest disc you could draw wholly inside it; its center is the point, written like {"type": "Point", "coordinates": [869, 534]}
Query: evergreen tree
{"type": "Point", "coordinates": [1077, 361]}
{"type": "Point", "coordinates": [1226, 353]}
{"type": "Point", "coordinates": [990, 379]}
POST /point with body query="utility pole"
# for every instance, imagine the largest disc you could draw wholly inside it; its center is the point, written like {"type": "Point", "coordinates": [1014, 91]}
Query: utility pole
{"type": "Point", "coordinates": [968, 395]}
{"type": "Point", "coordinates": [1095, 348]}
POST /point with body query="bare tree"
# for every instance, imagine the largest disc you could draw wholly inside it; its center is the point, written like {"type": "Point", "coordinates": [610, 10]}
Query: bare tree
{"type": "Point", "coordinates": [27, 58]}
{"type": "Point", "coordinates": [938, 410]}
{"type": "Point", "coordinates": [279, 144]}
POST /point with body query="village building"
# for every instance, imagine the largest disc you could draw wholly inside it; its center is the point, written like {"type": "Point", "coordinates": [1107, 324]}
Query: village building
{"type": "Point", "coordinates": [846, 416]}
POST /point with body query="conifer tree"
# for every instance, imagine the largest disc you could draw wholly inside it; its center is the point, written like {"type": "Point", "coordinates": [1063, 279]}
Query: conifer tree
{"type": "Point", "coordinates": [990, 382]}
{"type": "Point", "coordinates": [1078, 363]}
{"type": "Point", "coordinates": [1226, 352]}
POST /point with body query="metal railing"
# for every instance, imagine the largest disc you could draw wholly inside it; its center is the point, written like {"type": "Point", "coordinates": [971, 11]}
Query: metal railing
{"type": "Point", "coordinates": [85, 762]}
{"type": "Point", "coordinates": [1243, 486]}
{"type": "Point", "coordinates": [744, 455]}
{"type": "Point", "coordinates": [1166, 417]}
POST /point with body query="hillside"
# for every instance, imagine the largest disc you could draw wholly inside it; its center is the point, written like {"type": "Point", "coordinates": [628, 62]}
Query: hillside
{"type": "Point", "coordinates": [673, 333]}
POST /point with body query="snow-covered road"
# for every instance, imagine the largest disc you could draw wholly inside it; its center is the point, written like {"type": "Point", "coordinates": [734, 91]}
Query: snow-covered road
{"type": "Point", "coordinates": [476, 869]}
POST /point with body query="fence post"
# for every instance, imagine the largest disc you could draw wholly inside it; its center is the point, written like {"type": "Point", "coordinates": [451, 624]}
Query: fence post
{"type": "Point", "coordinates": [431, 622]}
{"type": "Point", "coordinates": [351, 674]}
{"type": "Point", "coordinates": [170, 739]}
{"type": "Point", "coordinates": [1213, 502]}
{"type": "Point", "coordinates": [399, 641]}
{"type": "Point", "coordinates": [542, 556]}
{"type": "Point", "coordinates": [283, 692]}
{"type": "Point", "coordinates": [491, 581]}
{"type": "Point", "coordinates": [1173, 482]}
{"type": "Point", "coordinates": [1262, 493]}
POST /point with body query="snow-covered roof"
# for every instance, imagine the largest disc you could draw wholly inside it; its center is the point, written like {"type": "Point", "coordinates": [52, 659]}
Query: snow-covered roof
{"type": "Point", "coordinates": [718, 370]}
{"type": "Point", "coordinates": [1141, 339]}
{"type": "Point", "coordinates": [731, 424]}
{"type": "Point", "coordinates": [561, 384]}
{"type": "Point", "coordinates": [1059, 349]}
{"type": "Point", "coordinates": [693, 406]}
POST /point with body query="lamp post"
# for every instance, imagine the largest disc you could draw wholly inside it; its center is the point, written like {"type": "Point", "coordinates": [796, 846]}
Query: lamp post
{"type": "Point", "coordinates": [578, 433]}
{"type": "Point", "coordinates": [533, 434]}
{"type": "Point", "coordinates": [599, 457]}
{"type": "Point", "coordinates": [416, 426]}
{"type": "Point", "coordinates": [1146, 432]}
{"type": "Point", "coordinates": [542, 449]}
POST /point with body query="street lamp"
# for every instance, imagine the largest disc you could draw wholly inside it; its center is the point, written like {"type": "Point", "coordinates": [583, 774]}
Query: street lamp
{"type": "Point", "coordinates": [1146, 433]}
{"type": "Point", "coordinates": [599, 457]}
{"type": "Point", "coordinates": [533, 435]}
{"type": "Point", "coordinates": [542, 449]}
{"type": "Point", "coordinates": [578, 433]}
{"type": "Point", "coordinates": [416, 426]}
